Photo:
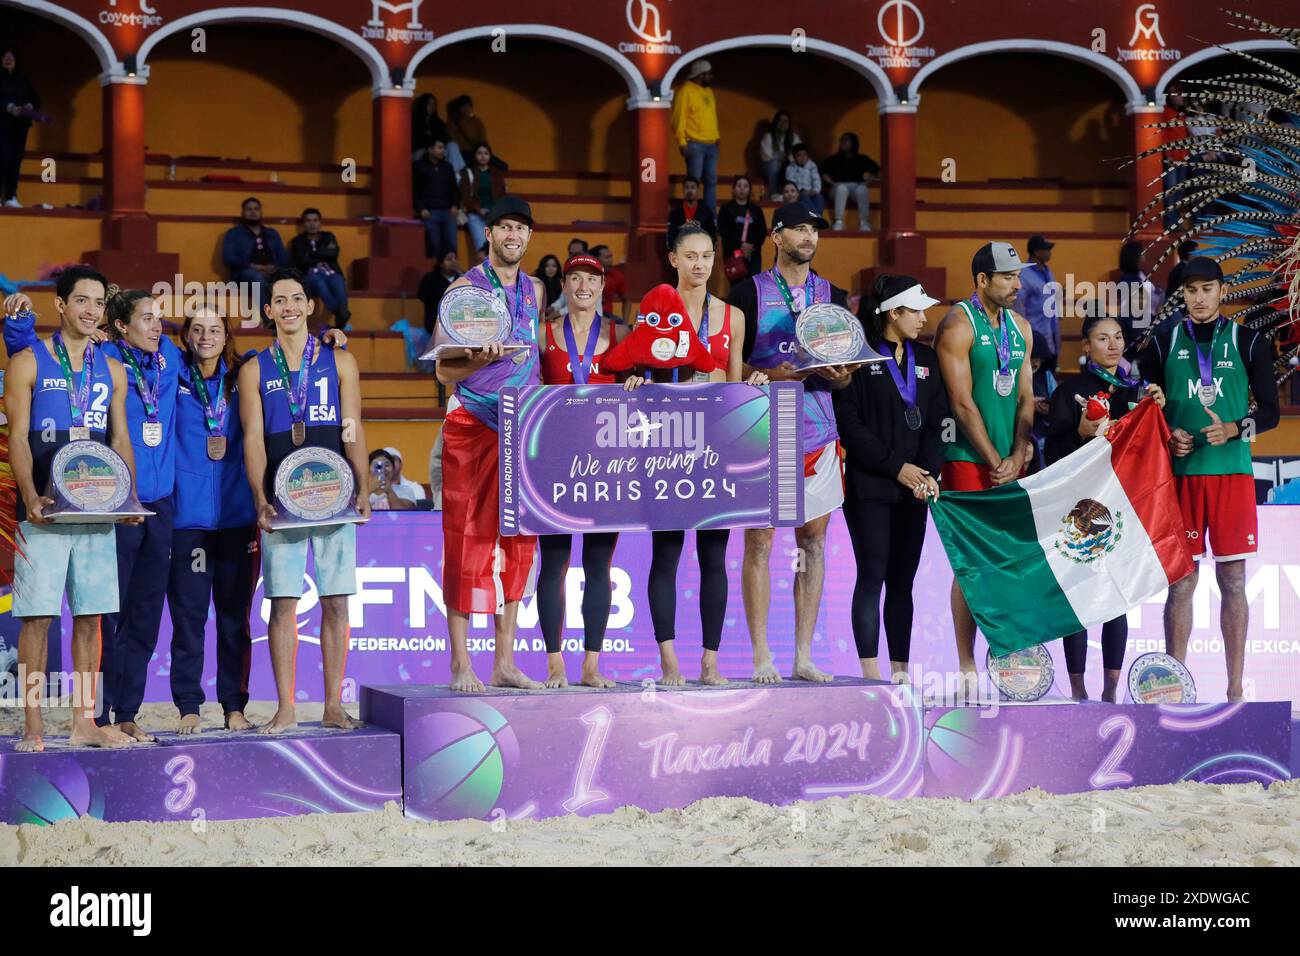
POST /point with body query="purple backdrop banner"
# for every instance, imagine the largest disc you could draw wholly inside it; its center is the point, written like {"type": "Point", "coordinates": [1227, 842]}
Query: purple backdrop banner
{"type": "Point", "coordinates": [399, 626]}
{"type": "Point", "coordinates": [598, 458]}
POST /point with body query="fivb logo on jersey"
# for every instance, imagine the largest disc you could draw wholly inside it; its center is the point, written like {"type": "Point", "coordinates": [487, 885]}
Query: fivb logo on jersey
{"type": "Point", "coordinates": [646, 22]}
{"type": "Point", "coordinates": [412, 31]}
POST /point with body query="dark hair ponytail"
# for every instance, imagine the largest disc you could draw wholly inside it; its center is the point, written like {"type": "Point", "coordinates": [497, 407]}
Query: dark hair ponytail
{"type": "Point", "coordinates": [121, 306]}
{"type": "Point", "coordinates": [689, 228]}
{"type": "Point", "coordinates": [885, 287]}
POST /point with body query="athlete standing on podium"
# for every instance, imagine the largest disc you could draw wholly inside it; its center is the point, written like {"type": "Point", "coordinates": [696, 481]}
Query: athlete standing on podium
{"type": "Point", "coordinates": [483, 572]}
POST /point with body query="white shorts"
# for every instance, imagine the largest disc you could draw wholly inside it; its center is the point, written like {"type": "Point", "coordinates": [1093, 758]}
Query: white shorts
{"type": "Point", "coordinates": [824, 491]}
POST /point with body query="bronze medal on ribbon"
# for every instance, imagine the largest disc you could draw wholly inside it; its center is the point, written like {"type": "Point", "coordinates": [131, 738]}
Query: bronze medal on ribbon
{"type": "Point", "coordinates": [299, 432]}
{"type": "Point", "coordinates": [216, 447]}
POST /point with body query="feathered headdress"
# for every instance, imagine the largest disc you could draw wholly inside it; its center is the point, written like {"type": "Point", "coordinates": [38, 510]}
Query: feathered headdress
{"type": "Point", "coordinates": [1238, 195]}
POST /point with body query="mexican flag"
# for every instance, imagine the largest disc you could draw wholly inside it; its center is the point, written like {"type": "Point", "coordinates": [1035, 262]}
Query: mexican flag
{"type": "Point", "coordinates": [1074, 545]}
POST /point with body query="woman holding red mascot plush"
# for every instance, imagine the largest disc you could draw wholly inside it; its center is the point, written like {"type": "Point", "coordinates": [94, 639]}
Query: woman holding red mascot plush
{"type": "Point", "coordinates": [684, 335]}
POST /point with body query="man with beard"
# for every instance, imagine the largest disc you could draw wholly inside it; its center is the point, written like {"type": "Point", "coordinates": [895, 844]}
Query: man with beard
{"type": "Point", "coordinates": [482, 571]}
{"type": "Point", "coordinates": [775, 298]}
{"type": "Point", "coordinates": [984, 354]}
{"type": "Point", "coordinates": [252, 251]}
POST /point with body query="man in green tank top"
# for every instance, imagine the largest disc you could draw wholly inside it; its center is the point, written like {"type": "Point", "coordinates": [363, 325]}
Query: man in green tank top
{"type": "Point", "coordinates": [984, 353]}
{"type": "Point", "coordinates": [1210, 367]}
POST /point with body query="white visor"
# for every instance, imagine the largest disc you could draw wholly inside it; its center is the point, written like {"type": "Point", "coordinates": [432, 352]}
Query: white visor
{"type": "Point", "coordinates": [913, 298]}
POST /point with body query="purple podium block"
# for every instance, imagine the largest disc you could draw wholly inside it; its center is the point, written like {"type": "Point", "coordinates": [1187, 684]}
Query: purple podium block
{"type": "Point", "coordinates": [979, 753]}
{"type": "Point", "coordinates": [582, 751]}
{"type": "Point", "coordinates": [211, 776]}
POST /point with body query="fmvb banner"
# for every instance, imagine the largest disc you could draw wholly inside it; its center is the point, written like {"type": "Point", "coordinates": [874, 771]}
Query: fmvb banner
{"type": "Point", "coordinates": [599, 458]}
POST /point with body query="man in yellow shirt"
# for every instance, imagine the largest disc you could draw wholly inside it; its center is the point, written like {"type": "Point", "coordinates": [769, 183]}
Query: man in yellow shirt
{"type": "Point", "coordinates": [695, 125]}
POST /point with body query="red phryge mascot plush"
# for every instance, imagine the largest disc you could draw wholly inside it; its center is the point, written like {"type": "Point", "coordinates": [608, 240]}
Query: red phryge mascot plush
{"type": "Point", "coordinates": [1098, 407]}
{"type": "Point", "coordinates": [663, 337]}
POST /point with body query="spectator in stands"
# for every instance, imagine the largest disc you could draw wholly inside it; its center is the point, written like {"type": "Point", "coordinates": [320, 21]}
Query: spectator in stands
{"type": "Point", "coordinates": [1184, 251]}
{"type": "Point", "coordinates": [548, 271]}
{"type": "Point", "coordinates": [688, 209]}
{"type": "Point", "coordinates": [17, 97]}
{"type": "Point", "coordinates": [467, 130]}
{"type": "Point", "coordinates": [695, 126]}
{"type": "Point", "coordinates": [383, 491]}
{"type": "Point", "coordinates": [433, 285]}
{"type": "Point", "coordinates": [1044, 386]}
{"type": "Point", "coordinates": [789, 192]}
{"type": "Point", "coordinates": [1139, 299]}
{"type": "Point", "coordinates": [405, 487]}
{"type": "Point", "coordinates": [427, 128]}
{"type": "Point", "coordinates": [437, 199]}
{"type": "Point", "coordinates": [802, 171]}
{"type": "Point", "coordinates": [848, 172]}
{"type": "Point", "coordinates": [1037, 302]}
{"type": "Point", "coordinates": [615, 284]}
{"type": "Point", "coordinates": [742, 226]}
{"type": "Point", "coordinates": [481, 185]}
{"type": "Point", "coordinates": [775, 149]}
{"type": "Point", "coordinates": [252, 251]}
{"type": "Point", "coordinates": [316, 255]}
{"type": "Point", "coordinates": [577, 247]}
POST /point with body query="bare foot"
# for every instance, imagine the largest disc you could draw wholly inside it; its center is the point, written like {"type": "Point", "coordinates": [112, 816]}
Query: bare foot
{"type": "Point", "coordinates": [91, 735]}
{"type": "Point", "coordinates": [31, 744]}
{"type": "Point", "coordinates": [511, 676]}
{"type": "Point", "coordinates": [594, 678]}
{"type": "Point", "coordinates": [807, 670]}
{"type": "Point", "coordinates": [555, 673]}
{"type": "Point", "coordinates": [765, 672]}
{"type": "Point", "coordinates": [709, 673]}
{"type": "Point", "coordinates": [968, 688]}
{"type": "Point", "coordinates": [189, 724]}
{"type": "Point", "coordinates": [1077, 690]}
{"type": "Point", "coordinates": [335, 716]}
{"type": "Point", "coordinates": [870, 668]}
{"type": "Point", "coordinates": [282, 721]}
{"type": "Point", "coordinates": [235, 720]}
{"type": "Point", "coordinates": [135, 732]}
{"type": "Point", "coordinates": [466, 681]}
{"type": "Point", "coordinates": [672, 674]}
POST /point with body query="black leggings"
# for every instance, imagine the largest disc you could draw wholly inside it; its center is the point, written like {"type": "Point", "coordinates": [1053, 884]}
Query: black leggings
{"type": "Point", "coordinates": [1114, 637]}
{"type": "Point", "coordinates": [597, 556]}
{"type": "Point", "coordinates": [711, 549]}
{"type": "Point", "coordinates": [887, 540]}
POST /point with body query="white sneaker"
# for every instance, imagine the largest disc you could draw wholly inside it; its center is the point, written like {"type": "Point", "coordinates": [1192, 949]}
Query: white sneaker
{"type": "Point", "coordinates": [839, 224]}
{"type": "Point", "coordinates": [13, 203]}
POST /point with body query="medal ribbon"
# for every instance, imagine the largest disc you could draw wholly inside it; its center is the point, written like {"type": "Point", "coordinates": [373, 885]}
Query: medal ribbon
{"type": "Point", "coordinates": [704, 327]}
{"type": "Point", "coordinates": [1002, 344]}
{"type": "Point", "coordinates": [501, 291]}
{"type": "Point", "coordinates": [148, 395]}
{"type": "Point", "coordinates": [785, 290]}
{"type": "Point", "coordinates": [216, 419]}
{"type": "Point", "coordinates": [1116, 379]}
{"type": "Point", "coordinates": [906, 385]}
{"type": "Point", "coordinates": [1204, 360]}
{"type": "Point", "coordinates": [297, 398]}
{"type": "Point", "coordinates": [78, 396]}
{"type": "Point", "coordinates": [581, 367]}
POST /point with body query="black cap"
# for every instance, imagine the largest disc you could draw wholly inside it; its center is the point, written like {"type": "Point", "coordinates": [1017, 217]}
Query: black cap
{"type": "Point", "coordinates": [796, 214]}
{"type": "Point", "coordinates": [509, 207]}
{"type": "Point", "coordinates": [1038, 242]}
{"type": "Point", "coordinates": [1198, 269]}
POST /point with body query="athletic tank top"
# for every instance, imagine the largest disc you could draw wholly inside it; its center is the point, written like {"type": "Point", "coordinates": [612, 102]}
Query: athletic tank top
{"type": "Point", "coordinates": [1183, 408]}
{"type": "Point", "coordinates": [322, 418]}
{"type": "Point", "coordinates": [52, 412]}
{"type": "Point", "coordinates": [478, 393]}
{"type": "Point", "coordinates": [719, 341]}
{"type": "Point", "coordinates": [556, 368]}
{"type": "Point", "coordinates": [774, 343]}
{"type": "Point", "coordinates": [997, 411]}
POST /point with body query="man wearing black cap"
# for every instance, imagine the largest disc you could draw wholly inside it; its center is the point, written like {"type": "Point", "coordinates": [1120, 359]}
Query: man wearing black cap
{"type": "Point", "coordinates": [1039, 300]}
{"type": "Point", "coordinates": [984, 353]}
{"type": "Point", "coordinates": [482, 571]}
{"type": "Point", "coordinates": [775, 297]}
{"type": "Point", "coordinates": [1210, 367]}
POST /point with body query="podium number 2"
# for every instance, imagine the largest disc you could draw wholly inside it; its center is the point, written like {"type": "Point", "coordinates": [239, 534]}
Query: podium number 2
{"type": "Point", "coordinates": [598, 720]}
{"type": "Point", "coordinates": [1108, 773]}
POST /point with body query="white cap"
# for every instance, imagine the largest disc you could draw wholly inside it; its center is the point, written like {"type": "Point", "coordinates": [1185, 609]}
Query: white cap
{"type": "Point", "coordinates": [698, 68]}
{"type": "Point", "coordinates": [393, 453]}
{"type": "Point", "coordinates": [913, 297]}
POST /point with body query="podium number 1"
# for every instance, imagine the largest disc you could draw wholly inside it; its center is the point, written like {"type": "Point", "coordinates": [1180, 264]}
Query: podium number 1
{"type": "Point", "coordinates": [598, 720]}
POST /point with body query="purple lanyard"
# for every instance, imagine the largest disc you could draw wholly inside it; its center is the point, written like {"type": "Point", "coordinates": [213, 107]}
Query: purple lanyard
{"type": "Point", "coordinates": [704, 329]}
{"type": "Point", "coordinates": [581, 368]}
{"type": "Point", "coordinates": [297, 395]}
{"type": "Point", "coordinates": [1003, 344]}
{"type": "Point", "coordinates": [906, 386]}
{"type": "Point", "coordinates": [1204, 360]}
{"type": "Point", "coordinates": [78, 395]}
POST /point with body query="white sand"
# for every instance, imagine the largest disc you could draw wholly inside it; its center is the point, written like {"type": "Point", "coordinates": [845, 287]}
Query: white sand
{"type": "Point", "coordinates": [1182, 824]}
